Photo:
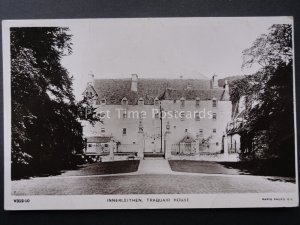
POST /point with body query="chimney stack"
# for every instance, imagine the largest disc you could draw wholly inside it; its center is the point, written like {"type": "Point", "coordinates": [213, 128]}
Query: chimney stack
{"type": "Point", "coordinates": [226, 95]}
{"type": "Point", "coordinates": [226, 86]}
{"type": "Point", "coordinates": [91, 79]}
{"type": "Point", "coordinates": [214, 81]}
{"type": "Point", "coordinates": [134, 82]}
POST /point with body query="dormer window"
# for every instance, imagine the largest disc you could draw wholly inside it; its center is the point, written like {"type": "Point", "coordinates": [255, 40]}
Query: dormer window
{"type": "Point", "coordinates": [214, 102]}
{"type": "Point", "coordinates": [124, 101]}
{"type": "Point", "coordinates": [197, 102]}
{"type": "Point", "coordinates": [89, 94]}
{"type": "Point", "coordinates": [182, 102]}
{"type": "Point", "coordinates": [156, 101]}
{"type": "Point", "coordinates": [141, 101]}
{"type": "Point", "coordinates": [103, 101]}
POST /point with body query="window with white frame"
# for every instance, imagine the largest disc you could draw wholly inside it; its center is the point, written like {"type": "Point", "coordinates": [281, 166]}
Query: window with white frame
{"type": "Point", "coordinates": [182, 116]}
{"type": "Point", "coordinates": [124, 115]}
{"type": "Point", "coordinates": [214, 116]}
{"type": "Point", "coordinates": [197, 102]}
{"type": "Point", "coordinates": [197, 116]}
{"type": "Point", "coordinates": [214, 103]}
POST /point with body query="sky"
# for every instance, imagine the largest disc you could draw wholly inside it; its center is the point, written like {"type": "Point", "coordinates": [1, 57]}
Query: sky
{"type": "Point", "coordinates": [161, 47]}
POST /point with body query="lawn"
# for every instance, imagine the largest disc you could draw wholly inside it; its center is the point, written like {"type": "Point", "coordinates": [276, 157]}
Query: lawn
{"type": "Point", "coordinates": [190, 166]}
{"type": "Point", "coordinates": [102, 168]}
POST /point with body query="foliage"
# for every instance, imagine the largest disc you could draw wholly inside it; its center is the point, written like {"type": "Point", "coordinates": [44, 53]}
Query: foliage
{"type": "Point", "coordinates": [45, 130]}
{"type": "Point", "coordinates": [87, 111]}
{"type": "Point", "coordinates": [269, 119]}
{"type": "Point", "coordinates": [271, 49]}
{"type": "Point", "coordinates": [205, 142]}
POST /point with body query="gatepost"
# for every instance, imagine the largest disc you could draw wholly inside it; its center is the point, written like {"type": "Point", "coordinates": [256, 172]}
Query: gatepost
{"type": "Point", "coordinates": [141, 142]}
{"type": "Point", "coordinates": [111, 149]}
{"type": "Point", "coordinates": [225, 147]}
{"type": "Point", "coordinates": [197, 143]}
{"type": "Point", "coordinates": [168, 142]}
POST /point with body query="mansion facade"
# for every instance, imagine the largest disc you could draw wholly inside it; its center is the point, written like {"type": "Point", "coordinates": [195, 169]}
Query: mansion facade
{"type": "Point", "coordinates": [171, 117]}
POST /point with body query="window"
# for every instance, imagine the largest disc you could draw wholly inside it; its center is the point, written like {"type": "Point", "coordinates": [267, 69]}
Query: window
{"type": "Point", "coordinates": [106, 145]}
{"type": "Point", "coordinates": [156, 101]}
{"type": "Point", "coordinates": [182, 102]}
{"type": "Point", "coordinates": [201, 132]}
{"type": "Point", "coordinates": [124, 101]}
{"type": "Point", "coordinates": [141, 115]}
{"type": "Point", "coordinates": [174, 101]}
{"type": "Point", "coordinates": [124, 131]}
{"type": "Point", "coordinates": [133, 142]}
{"type": "Point", "coordinates": [89, 145]}
{"type": "Point", "coordinates": [214, 103]}
{"type": "Point", "coordinates": [214, 130]}
{"type": "Point", "coordinates": [89, 94]}
{"type": "Point", "coordinates": [156, 116]}
{"type": "Point", "coordinates": [182, 116]}
{"type": "Point", "coordinates": [141, 101]}
{"type": "Point", "coordinates": [214, 116]}
{"type": "Point", "coordinates": [102, 130]}
{"type": "Point", "coordinates": [197, 102]}
{"type": "Point", "coordinates": [124, 115]}
{"type": "Point", "coordinates": [103, 101]}
{"type": "Point", "coordinates": [186, 130]}
{"type": "Point", "coordinates": [197, 116]}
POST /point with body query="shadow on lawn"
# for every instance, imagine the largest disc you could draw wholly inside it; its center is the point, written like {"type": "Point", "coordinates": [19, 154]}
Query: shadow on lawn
{"type": "Point", "coordinates": [229, 168]}
{"type": "Point", "coordinates": [98, 168]}
{"type": "Point", "coordinates": [264, 168]}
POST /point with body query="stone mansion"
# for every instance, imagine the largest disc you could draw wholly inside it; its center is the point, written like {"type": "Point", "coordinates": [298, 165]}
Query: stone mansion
{"type": "Point", "coordinates": [171, 117]}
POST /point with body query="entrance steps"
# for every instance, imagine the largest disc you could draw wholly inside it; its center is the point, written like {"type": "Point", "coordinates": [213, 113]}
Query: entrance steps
{"type": "Point", "coordinates": [157, 166]}
{"type": "Point", "coordinates": [153, 155]}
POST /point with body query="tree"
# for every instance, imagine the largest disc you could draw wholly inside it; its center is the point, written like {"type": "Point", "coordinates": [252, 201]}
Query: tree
{"type": "Point", "coordinates": [45, 127]}
{"type": "Point", "coordinates": [268, 133]}
{"type": "Point", "coordinates": [271, 49]}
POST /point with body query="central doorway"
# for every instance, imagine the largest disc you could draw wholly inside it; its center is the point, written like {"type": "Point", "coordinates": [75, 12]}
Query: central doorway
{"type": "Point", "coordinates": [153, 145]}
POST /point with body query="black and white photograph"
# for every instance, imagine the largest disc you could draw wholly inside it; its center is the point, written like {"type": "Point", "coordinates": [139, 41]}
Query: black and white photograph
{"type": "Point", "coordinates": [137, 113]}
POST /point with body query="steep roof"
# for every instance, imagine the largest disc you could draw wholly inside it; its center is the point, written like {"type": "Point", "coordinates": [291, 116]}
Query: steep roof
{"type": "Point", "coordinates": [188, 138]}
{"type": "Point", "coordinates": [188, 94]}
{"type": "Point", "coordinates": [114, 90]}
{"type": "Point", "coordinates": [97, 139]}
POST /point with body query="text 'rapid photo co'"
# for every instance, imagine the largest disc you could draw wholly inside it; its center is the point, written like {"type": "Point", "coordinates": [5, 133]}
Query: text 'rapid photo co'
{"type": "Point", "coordinates": [150, 113]}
